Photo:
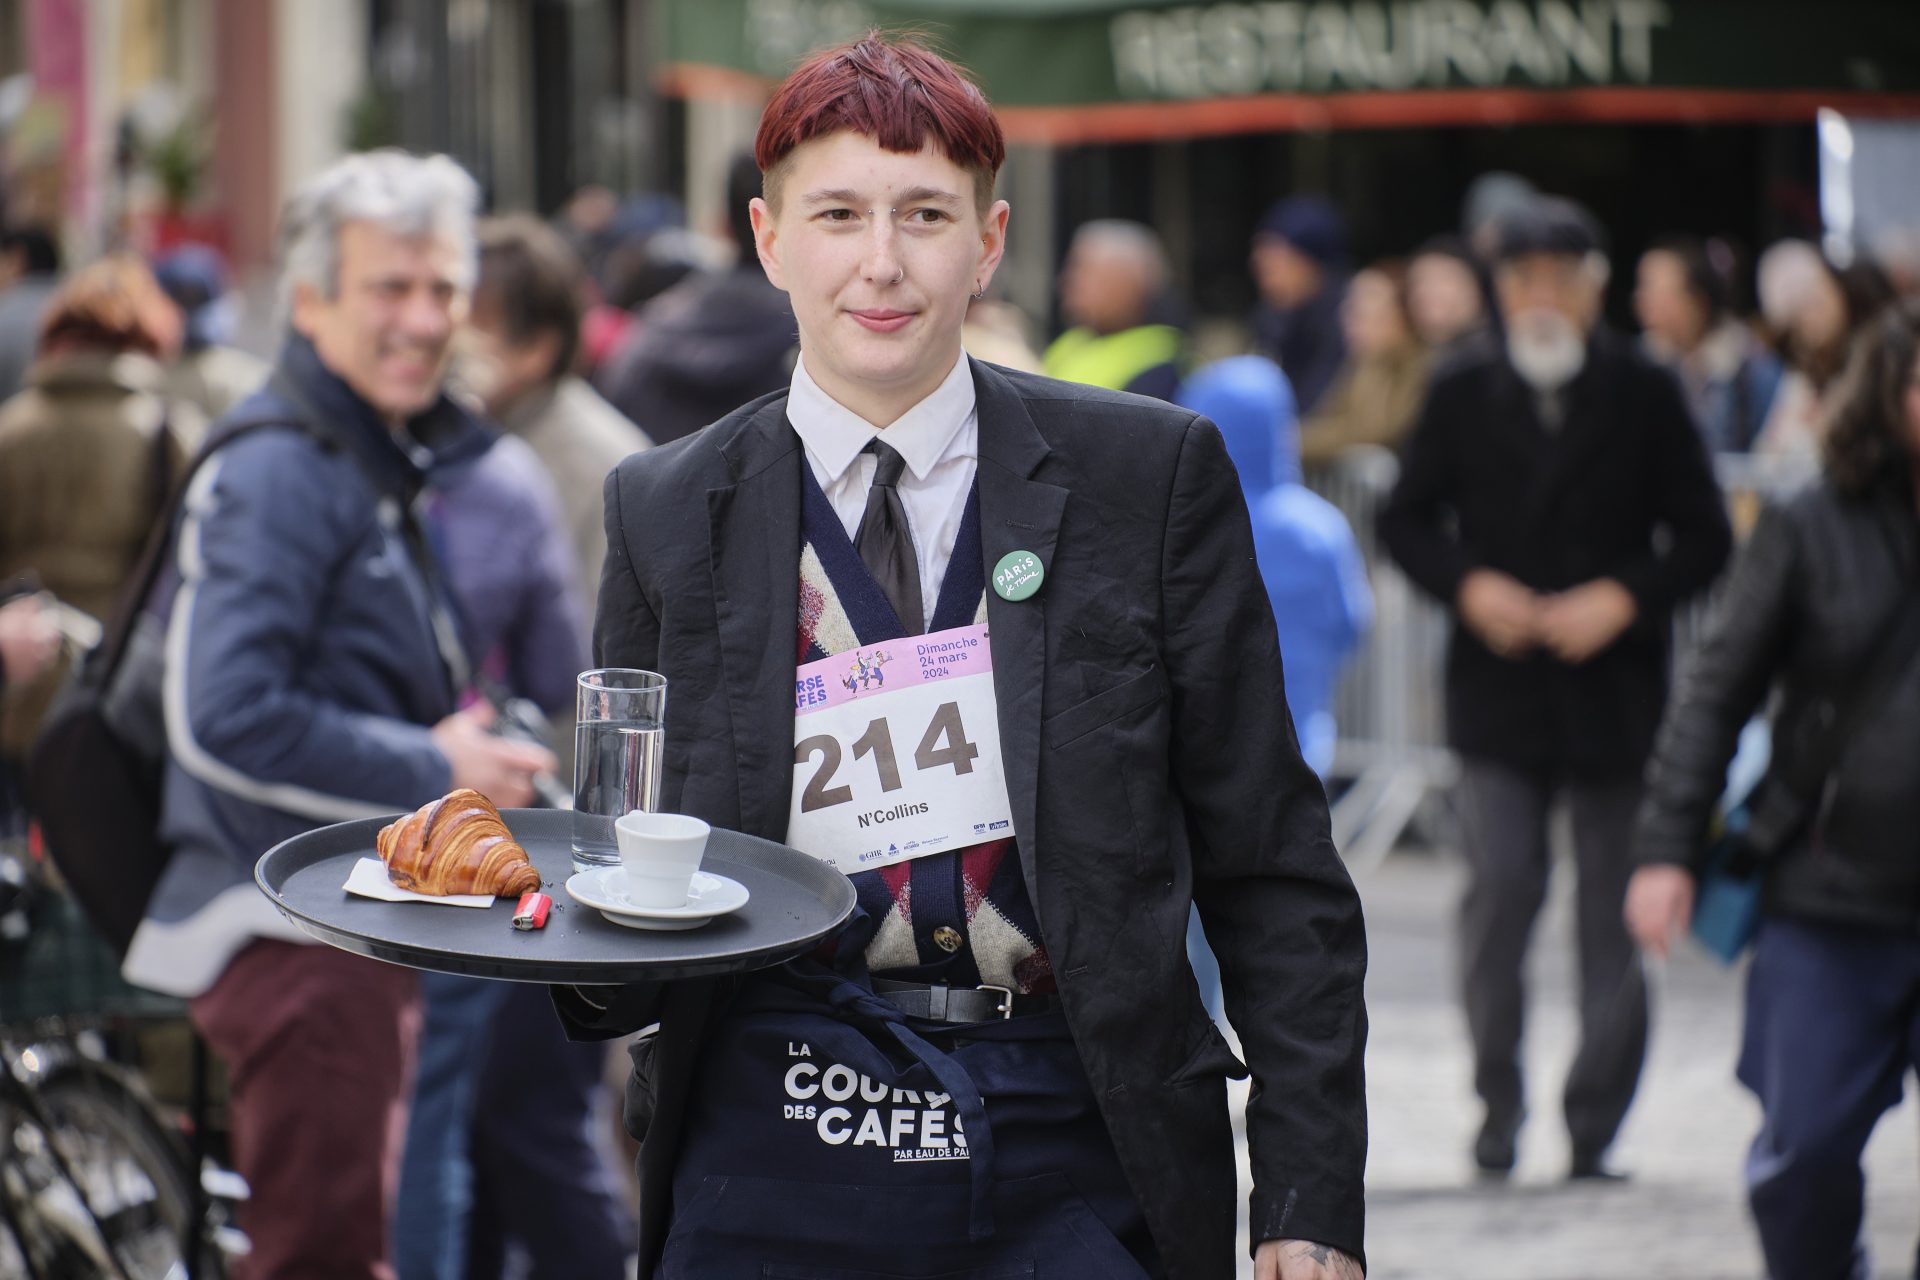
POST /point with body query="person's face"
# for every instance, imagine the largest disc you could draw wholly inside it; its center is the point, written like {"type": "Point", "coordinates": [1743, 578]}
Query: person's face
{"type": "Point", "coordinates": [878, 253]}
{"type": "Point", "coordinates": [1665, 307]}
{"type": "Point", "coordinates": [1821, 320]}
{"type": "Point", "coordinates": [1558, 283]}
{"type": "Point", "coordinates": [388, 330]}
{"type": "Point", "coordinates": [1443, 297]}
{"type": "Point", "coordinates": [1285, 276]}
{"type": "Point", "coordinates": [1102, 286]}
{"type": "Point", "coordinates": [1371, 315]}
{"type": "Point", "coordinates": [499, 370]}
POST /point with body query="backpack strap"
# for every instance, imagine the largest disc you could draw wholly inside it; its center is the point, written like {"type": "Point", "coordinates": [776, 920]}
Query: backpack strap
{"type": "Point", "coordinates": [160, 468]}
{"type": "Point", "coordinates": [113, 647]}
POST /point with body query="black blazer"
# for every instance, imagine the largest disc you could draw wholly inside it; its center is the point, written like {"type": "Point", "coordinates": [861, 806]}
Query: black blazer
{"type": "Point", "coordinates": [1622, 489]}
{"type": "Point", "coordinates": [1150, 759]}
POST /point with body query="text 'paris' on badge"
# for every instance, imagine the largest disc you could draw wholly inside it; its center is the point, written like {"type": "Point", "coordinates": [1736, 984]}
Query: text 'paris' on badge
{"type": "Point", "coordinates": [1018, 575]}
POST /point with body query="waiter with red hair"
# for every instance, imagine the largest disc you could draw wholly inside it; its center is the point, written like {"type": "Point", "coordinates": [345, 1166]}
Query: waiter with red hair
{"type": "Point", "coordinates": [1038, 712]}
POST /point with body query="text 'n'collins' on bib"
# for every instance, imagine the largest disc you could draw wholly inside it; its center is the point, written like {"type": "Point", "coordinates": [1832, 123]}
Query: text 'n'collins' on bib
{"type": "Point", "coordinates": [896, 752]}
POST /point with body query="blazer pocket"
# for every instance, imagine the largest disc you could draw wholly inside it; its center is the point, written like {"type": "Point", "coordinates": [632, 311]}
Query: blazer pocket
{"type": "Point", "coordinates": [1213, 1060]}
{"type": "Point", "coordinates": [1102, 709]}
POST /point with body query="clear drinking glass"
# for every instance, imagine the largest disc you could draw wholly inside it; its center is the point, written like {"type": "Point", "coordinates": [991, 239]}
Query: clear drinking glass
{"type": "Point", "coordinates": [617, 741]}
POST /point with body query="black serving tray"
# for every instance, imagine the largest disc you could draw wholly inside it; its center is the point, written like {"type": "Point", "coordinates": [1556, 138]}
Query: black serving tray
{"type": "Point", "coordinates": [796, 901]}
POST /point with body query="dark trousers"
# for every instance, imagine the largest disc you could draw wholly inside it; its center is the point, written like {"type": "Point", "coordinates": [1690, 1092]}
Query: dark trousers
{"type": "Point", "coordinates": [436, 1176]}
{"type": "Point", "coordinates": [539, 1180]}
{"type": "Point", "coordinates": [1833, 1026]}
{"type": "Point", "coordinates": [1508, 858]}
{"type": "Point", "coordinates": [319, 1050]}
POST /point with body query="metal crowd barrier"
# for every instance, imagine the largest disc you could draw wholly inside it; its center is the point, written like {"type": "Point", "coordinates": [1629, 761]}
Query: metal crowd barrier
{"type": "Point", "coordinates": [1392, 758]}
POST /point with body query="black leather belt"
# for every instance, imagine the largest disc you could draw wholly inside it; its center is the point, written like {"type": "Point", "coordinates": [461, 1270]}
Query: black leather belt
{"type": "Point", "coordinates": [939, 1002]}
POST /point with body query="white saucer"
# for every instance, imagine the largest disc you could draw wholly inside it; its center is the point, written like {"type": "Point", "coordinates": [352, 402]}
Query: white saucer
{"type": "Point", "coordinates": [605, 890]}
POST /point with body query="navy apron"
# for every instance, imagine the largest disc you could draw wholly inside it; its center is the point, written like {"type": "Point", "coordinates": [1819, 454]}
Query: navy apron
{"type": "Point", "coordinates": [833, 1138]}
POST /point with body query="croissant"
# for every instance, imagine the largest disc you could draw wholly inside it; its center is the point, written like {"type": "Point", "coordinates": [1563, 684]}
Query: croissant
{"type": "Point", "coordinates": [457, 844]}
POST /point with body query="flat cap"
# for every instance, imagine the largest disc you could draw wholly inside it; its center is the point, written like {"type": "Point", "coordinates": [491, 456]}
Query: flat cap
{"type": "Point", "coordinates": [1549, 224]}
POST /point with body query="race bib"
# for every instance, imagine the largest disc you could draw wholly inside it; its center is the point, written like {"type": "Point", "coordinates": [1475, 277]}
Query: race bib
{"type": "Point", "coordinates": [896, 752]}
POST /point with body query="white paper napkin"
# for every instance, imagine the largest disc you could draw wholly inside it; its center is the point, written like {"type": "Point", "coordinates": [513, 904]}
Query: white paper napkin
{"type": "Point", "coordinates": [369, 880]}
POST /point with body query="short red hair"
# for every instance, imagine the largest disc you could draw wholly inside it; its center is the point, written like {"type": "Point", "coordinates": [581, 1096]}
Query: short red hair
{"type": "Point", "coordinates": [898, 93]}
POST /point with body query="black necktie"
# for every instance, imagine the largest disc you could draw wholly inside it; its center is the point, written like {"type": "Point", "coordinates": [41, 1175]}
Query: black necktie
{"type": "Point", "coordinates": [884, 543]}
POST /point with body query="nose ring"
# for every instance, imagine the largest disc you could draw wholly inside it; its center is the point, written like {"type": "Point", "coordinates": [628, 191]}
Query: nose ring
{"type": "Point", "coordinates": [902, 276]}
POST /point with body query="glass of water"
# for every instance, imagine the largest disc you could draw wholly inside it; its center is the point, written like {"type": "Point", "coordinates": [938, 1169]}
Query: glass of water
{"type": "Point", "coordinates": [617, 741]}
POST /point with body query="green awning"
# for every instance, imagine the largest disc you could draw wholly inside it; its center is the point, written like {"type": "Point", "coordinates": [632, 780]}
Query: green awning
{"type": "Point", "coordinates": [1145, 68]}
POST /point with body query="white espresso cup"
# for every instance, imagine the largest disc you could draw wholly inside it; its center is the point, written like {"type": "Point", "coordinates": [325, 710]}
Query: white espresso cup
{"type": "Point", "coordinates": [660, 852]}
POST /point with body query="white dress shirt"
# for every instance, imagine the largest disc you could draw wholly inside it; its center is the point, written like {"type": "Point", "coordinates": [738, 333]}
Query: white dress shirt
{"type": "Point", "coordinates": [939, 439]}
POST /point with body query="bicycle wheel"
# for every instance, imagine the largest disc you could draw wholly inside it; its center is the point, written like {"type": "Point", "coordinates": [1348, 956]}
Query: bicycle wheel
{"type": "Point", "coordinates": [132, 1171]}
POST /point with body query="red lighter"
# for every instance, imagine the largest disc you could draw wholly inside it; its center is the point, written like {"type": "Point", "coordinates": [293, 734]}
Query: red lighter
{"type": "Point", "coordinates": [531, 913]}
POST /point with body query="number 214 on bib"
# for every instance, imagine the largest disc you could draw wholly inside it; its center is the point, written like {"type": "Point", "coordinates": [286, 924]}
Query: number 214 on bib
{"type": "Point", "coordinates": [896, 752]}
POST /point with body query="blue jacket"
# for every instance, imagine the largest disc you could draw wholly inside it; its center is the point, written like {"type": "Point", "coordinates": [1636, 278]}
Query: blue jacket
{"type": "Point", "coordinates": [1315, 577]}
{"type": "Point", "coordinates": [303, 675]}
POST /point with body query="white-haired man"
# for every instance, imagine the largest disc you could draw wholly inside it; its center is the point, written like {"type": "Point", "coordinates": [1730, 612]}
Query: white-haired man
{"type": "Point", "coordinates": [1556, 496]}
{"type": "Point", "coordinates": [311, 678]}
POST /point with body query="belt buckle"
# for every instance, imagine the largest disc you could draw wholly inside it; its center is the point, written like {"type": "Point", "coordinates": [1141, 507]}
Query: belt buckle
{"type": "Point", "coordinates": [1005, 1008]}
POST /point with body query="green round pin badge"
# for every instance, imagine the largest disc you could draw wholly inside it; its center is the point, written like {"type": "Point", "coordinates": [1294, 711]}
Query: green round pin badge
{"type": "Point", "coordinates": [1018, 575]}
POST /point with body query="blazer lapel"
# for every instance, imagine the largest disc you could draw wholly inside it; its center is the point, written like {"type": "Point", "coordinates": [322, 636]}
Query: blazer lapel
{"type": "Point", "coordinates": [755, 554]}
{"type": "Point", "coordinates": [1017, 513]}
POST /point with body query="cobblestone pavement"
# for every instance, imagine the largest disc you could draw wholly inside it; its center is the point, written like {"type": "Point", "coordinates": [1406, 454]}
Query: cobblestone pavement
{"type": "Point", "coordinates": [1681, 1217]}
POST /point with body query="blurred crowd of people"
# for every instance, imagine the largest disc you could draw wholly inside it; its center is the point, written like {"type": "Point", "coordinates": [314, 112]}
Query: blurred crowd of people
{"type": "Point", "coordinates": [1757, 344]}
{"type": "Point", "coordinates": [1556, 494]}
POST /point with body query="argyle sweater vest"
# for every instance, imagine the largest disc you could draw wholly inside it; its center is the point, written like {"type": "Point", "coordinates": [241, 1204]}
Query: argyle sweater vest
{"type": "Point", "coordinates": [963, 916]}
